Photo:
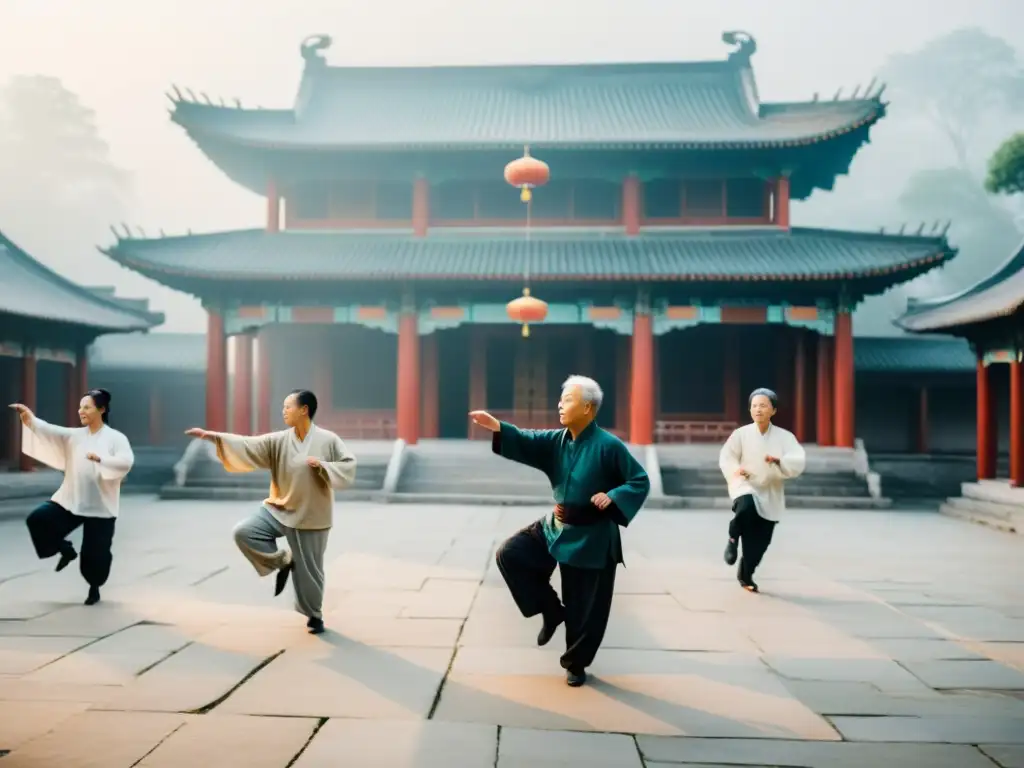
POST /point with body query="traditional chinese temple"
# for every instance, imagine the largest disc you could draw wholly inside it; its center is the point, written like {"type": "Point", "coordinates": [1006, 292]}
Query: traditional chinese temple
{"type": "Point", "coordinates": [989, 315]}
{"type": "Point", "coordinates": [47, 325]}
{"type": "Point", "coordinates": [662, 246]}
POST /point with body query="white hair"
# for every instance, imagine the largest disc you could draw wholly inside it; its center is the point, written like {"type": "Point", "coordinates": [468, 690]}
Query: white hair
{"type": "Point", "coordinates": [589, 389]}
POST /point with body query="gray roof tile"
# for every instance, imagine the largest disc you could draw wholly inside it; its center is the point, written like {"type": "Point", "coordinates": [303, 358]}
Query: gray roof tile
{"type": "Point", "coordinates": [733, 255]}
{"type": "Point", "coordinates": [28, 289]}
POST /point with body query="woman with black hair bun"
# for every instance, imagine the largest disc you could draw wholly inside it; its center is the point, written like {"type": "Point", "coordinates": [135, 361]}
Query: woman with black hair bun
{"type": "Point", "coordinates": [95, 458]}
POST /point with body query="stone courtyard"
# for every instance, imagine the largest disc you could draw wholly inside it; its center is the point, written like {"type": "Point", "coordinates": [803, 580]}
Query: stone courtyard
{"type": "Point", "coordinates": [880, 639]}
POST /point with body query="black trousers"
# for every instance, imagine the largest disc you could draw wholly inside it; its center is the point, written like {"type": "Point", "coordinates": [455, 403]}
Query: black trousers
{"type": "Point", "coordinates": [753, 532]}
{"type": "Point", "coordinates": [49, 525]}
{"type": "Point", "coordinates": [526, 565]}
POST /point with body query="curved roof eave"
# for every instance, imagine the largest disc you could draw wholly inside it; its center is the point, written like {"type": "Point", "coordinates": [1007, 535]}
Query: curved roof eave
{"type": "Point", "coordinates": [1000, 294]}
{"type": "Point", "coordinates": [111, 314]}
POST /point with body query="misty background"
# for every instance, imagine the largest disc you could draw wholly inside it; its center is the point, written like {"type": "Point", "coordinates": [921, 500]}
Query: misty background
{"type": "Point", "coordinates": [86, 141]}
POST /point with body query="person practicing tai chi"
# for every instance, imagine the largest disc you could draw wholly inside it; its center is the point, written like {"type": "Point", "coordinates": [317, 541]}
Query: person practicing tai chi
{"type": "Point", "coordinates": [95, 458]}
{"type": "Point", "coordinates": [597, 486]}
{"type": "Point", "coordinates": [756, 460]}
{"type": "Point", "coordinates": [307, 464]}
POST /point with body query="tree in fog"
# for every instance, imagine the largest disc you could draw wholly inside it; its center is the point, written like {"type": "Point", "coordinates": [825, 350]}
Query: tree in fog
{"type": "Point", "coordinates": [61, 189]}
{"type": "Point", "coordinates": [1006, 167]}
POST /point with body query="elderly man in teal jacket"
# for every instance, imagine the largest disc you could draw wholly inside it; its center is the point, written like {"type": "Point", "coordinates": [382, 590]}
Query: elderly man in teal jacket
{"type": "Point", "coordinates": [597, 486]}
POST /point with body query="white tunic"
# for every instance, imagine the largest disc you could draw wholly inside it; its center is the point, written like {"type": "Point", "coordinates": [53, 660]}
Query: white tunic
{"type": "Point", "coordinates": [747, 448]}
{"type": "Point", "coordinates": [90, 488]}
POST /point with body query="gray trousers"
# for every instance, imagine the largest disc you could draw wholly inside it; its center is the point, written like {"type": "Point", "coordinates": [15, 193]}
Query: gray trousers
{"type": "Point", "coordinates": [257, 537]}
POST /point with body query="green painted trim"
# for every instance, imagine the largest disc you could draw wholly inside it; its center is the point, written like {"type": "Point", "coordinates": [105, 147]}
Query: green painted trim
{"type": "Point", "coordinates": [496, 314]}
{"type": "Point", "coordinates": [282, 315]}
{"type": "Point", "coordinates": [12, 349]}
{"type": "Point", "coordinates": [1000, 356]}
{"type": "Point", "coordinates": [711, 314]}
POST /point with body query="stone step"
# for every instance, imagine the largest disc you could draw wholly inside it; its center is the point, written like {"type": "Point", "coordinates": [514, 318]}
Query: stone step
{"type": "Point", "coordinates": [955, 507]}
{"type": "Point", "coordinates": [703, 489]}
{"type": "Point", "coordinates": [995, 491]}
{"type": "Point", "coordinates": [1005, 512]}
{"type": "Point", "coordinates": [792, 502]}
{"type": "Point", "coordinates": [191, 493]}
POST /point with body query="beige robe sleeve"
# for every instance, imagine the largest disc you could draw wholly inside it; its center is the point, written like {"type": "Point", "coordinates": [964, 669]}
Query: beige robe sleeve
{"type": "Point", "coordinates": [340, 471]}
{"type": "Point", "coordinates": [118, 464]}
{"type": "Point", "coordinates": [793, 459]}
{"type": "Point", "coordinates": [730, 456]}
{"type": "Point", "coordinates": [46, 443]}
{"type": "Point", "coordinates": [239, 453]}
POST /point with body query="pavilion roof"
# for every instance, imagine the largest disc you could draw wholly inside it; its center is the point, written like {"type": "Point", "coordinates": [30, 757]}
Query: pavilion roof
{"type": "Point", "coordinates": [998, 295]}
{"type": "Point", "coordinates": [736, 254]}
{"type": "Point", "coordinates": [178, 352]}
{"type": "Point", "coordinates": [674, 105]}
{"type": "Point", "coordinates": [30, 290]}
{"type": "Point", "coordinates": [905, 354]}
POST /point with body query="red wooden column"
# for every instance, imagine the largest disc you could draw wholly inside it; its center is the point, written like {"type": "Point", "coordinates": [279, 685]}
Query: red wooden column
{"type": "Point", "coordinates": [28, 397]}
{"type": "Point", "coordinates": [431, 388]}
{"type": "Point", "coordinates": [241, 419]}
{"type": "Point", "coordinates": [823, 395]}
{"type": "Point", "coordinates": [216, 373]}
{"type": "Point", "coordinates": [477, 369]}
{"type": "Point", "coordinates": [641, 406]}
{"type": "Point", "coordinates": [420, 206]}
{"type": "Point", "coordinates": [273, 207]}
{"type": "Point", "coordinates": [782, 202]}
{"type": "Point", "coordinates": [78, 382]}
{"type": "Point", "coordinates": [74, 396]}
{"type": "Point", "coordinates": [1016, 424]}
{"type": "Point", "coordinates": [800, 387]}
{"type": "Point", "coordinates": [921, 441]}
{"type": "Point", "coordinates": [986, 416]}
{"type": "Point", "coordinates": [263, 381]}
{"type": "Point", "coordinates": [631, 204]}
{"type": "Point", "coordinates": [843, 382]}
{"type": "Point", "coordinates": [408, 405]}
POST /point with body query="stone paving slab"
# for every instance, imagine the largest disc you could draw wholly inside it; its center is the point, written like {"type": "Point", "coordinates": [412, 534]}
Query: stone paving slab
{"type": "Point", "coordinates": [229, 741]}
{"type": "Point", "coordinates": [401, 744]}
{"type": "Point", "coordinates": [427, 661]}
{"type": "Point", "coordinates": [806, 754]}
{"type": "Point", "coordinates": [943, 729]}
{"type": "Point", "coordinates": [95, 739]}
{"type": "Point", "coordinates": [1005, 755]}
{"type": "Point", "coordinates": [520, 748]}
{"type": "Point", "coordinates": [344, 678]}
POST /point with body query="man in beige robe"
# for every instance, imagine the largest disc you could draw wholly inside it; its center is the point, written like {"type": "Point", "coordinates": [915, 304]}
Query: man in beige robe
{"type": "Point", "coordinates": [307, 464]}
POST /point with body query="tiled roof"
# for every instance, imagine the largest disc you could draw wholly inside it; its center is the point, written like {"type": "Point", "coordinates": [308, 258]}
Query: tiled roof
{"type": "Point", "coordinates": [903, 354]}
{"type": "Point", "coordinates": [28, 289]}
{"type": "Point", "coordinates": [752, 254]}
{"type": "Point", "coordinates": [708, 105]}
{"type": "Point", "coordinates": [998, 295]}
{"type": "Point", "coordinates": [149, 351]}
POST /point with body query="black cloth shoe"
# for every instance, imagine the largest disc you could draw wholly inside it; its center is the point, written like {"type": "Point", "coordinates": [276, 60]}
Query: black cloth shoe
{"type": "Point", "coordinates": [575, 677]}
{"type": "Point", "coordinates": [731, 551]}
{"type": "Point", "coordinates": [316, 626]}
{"type": "Point", "coordinates": [551, 622]}
{"type": "Point", "coordinates": [749, 584]}
{"type": "Point", "coordinates": [94, 596]}
{"type": "Point", "coordinates": [67, 556]}
{"type": "Point", "coordinates": [282, 578]}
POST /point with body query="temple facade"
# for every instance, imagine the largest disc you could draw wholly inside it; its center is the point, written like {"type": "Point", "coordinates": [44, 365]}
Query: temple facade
{"type": "Point", "coordinates": [662, 245]}
{"type": "Point", "coordinates": [47, 324]}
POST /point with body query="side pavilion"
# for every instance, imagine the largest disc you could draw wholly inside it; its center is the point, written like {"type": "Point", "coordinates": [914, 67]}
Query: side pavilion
{"type": "Point", "coordinates": [48, 321]}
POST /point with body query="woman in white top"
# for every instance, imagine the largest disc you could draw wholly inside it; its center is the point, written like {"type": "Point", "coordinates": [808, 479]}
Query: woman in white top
{"type": "Point", "coordinates": [756, 460]}
{"type": "Point", "coordinates": [94, 459]}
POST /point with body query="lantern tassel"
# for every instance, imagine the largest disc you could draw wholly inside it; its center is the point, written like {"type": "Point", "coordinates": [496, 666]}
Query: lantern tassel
{"type": "Point", "coordinates": [525, 195]}
{"type": "Point", "coordinates": [526, 330]}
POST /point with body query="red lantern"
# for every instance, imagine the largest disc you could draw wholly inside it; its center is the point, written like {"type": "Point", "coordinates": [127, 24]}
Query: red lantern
{"type": "Point", "coordinates": [527, 309]}
{"type": "Point", "coordinates": [526, 173]}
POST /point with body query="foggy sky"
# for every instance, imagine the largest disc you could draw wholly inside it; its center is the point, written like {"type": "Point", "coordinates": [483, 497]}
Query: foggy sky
{"type": "Point", "coordinates": [121, 56]}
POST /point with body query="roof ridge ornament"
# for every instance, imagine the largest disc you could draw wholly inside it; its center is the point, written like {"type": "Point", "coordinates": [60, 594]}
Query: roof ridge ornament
{"type": "Point", "coordinates": [745, 44]}
{"type": "Point", "coordinates": [312, 48]}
